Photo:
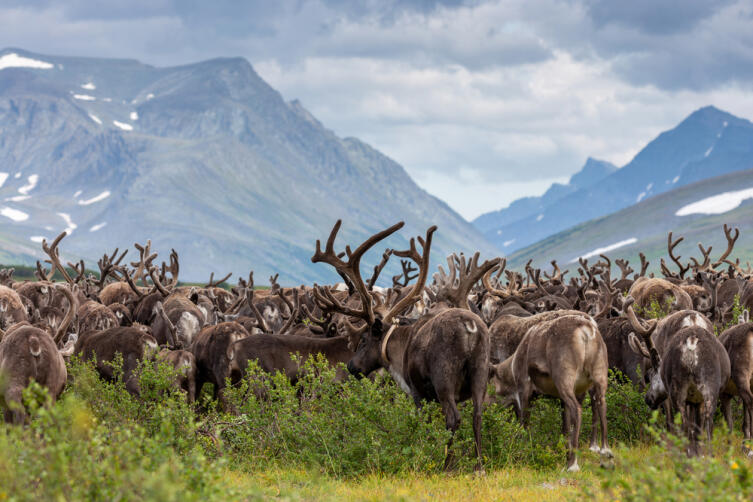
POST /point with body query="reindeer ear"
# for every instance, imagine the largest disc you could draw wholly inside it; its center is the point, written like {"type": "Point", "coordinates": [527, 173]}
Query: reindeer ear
{"type": "Point", "coordinates": [638, 346]}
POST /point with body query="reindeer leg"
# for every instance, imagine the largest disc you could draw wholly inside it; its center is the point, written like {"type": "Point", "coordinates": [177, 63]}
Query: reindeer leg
{"type": "Point", "coordinates": [593, 445]}
{"type": "Point", "coordinates": [478, 394]}
{"type": "Point", "coordinates": [747, 398]}
{"type": "Point", "coordinates": [452, 422]}
{"type": "Point", "coordinates": [572, 419]}
{"type": "Point", "coordinates": [599, 402]}
{"type": "Point", "coordinates": [725, 403]}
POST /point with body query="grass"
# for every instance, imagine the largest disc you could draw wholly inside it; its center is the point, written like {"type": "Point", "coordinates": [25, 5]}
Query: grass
{"type": "Point", "coordinates": [510, 484]}
{"type": "Point", "coordinates": [317, 440]}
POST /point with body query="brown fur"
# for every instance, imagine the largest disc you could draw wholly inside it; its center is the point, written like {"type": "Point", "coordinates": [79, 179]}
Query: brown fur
{"type": "Point", "coordinates": [564, 358]}
{"type": "Point", "coordinates": [28, 353]}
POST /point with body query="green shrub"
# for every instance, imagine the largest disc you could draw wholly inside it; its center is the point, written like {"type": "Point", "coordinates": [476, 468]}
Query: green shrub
{"type": "Point", "coordinates": [665, 472]}
{"type": "Point", "coordinates": [68, 453]}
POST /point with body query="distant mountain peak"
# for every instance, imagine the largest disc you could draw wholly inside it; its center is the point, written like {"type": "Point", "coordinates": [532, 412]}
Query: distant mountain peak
{"type": "Point", "coordinates": [709, 142]}
{"type": "Point", "coordinates": [206, 158]}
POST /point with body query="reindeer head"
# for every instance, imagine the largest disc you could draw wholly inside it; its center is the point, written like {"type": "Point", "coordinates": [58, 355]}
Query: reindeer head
{"type": "Point", "coordinates": [368, 356]}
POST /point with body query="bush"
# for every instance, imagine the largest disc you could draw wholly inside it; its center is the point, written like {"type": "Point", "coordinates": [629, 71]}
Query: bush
{"type": "Point", "coordinates": [68, 452]}
{"type": "Point", "coordinates": [664, 472]}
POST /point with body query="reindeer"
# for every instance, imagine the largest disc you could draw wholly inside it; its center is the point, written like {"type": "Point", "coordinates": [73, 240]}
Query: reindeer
{"type": "Point", "coordinates": [738, 341]}
{"type": "Point", "coordinates": [30, 353]}
{"type": "Point", "coordinates": [102, 346]}
{"type": "Point", "coordinates": [564, 357]}
{"type": "Point", "coordinates": [212, 348]}
{"type": "Point", "coordinates": [443, 356]}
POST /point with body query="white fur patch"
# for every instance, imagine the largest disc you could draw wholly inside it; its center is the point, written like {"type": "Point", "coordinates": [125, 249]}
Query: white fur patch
{"type": "Point", "coordinates": [151, 344]}
{"type": "Point", "coordinates": [690, 352]}
{"type": "Point", "coordinates": [188, 326]}
{"type": "Point", "coordinates": [400, 381]}
{"type": "Point", "coordinates": [693, 320]}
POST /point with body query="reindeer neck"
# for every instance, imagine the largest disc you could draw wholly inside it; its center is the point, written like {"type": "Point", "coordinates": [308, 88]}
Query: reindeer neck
{"type": "Point", "coordinates": [395, 349]}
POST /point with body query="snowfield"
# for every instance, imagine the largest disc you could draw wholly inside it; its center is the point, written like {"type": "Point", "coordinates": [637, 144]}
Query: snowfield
{"type": "Point", "coordinates": [84, 97]}
{"type": "Point", "coordinates": [98, 226]}
{"type": "Point", "coordinates": [13, 60]}
{"type": "Point", "coordinates": [124, 126]}
{"type": "Point", "coordinates": [13, 214]}
{"type": "Point", "coordinates": [32, 182]}
{"type": "Point", "coordinates": [97, 198]}
{"type": "Point", "coordinates": [71, 226]}
{"type": "Point", "coordinates": [95, 119]}
{"type": "Point", "coordinates": [716, 204]}
{"type": "Point", "coordinates": [606, 249]}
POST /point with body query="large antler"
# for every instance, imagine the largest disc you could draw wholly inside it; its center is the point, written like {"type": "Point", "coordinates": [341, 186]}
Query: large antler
{"type": "Point", "coordinates": [351, 268]}
{"type": "Point", "coordinates": [107, 265]}
{"type": "Point", "coordinates": [422, 260]}
{"type": "Point", "coordinates": [42, 274]}
{"type": "Point", "coordinates": [486, 279]}
{"type": "Point", "coordinates": [145, 258]}
{"type": "Point", "coordinates": [54, 253]}
{"type": "Point", "coordinates": [670, 250]}
{"type": "Point", "coordinates": [730, 244]}
{"type": "Point", "coordinates": [468, 273]}
{"type": "Point", "coordinates": [625, 268]}
{"type": "Point", "coordinates": [378, 269]}
{"type": "Point", "coordinates": [405, 276]}
{"type": "Point", "coordinates": [213, 284]}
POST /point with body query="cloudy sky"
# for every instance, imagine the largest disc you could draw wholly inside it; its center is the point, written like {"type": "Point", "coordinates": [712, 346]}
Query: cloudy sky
{"type": "Point", "coordinates": [481, 101]}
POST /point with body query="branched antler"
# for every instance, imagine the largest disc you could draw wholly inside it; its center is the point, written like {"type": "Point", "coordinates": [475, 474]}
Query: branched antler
{"type": "Point", "coordinates": [378, 269]}
{"type": "Point", "coordinates": [351, 268]}
{"type": "Point", "coordinates": [730, 245]}
{"type": "Point", "coordinates": [213, 284]}
{"type": "Point", "coordinates": [54, 253]}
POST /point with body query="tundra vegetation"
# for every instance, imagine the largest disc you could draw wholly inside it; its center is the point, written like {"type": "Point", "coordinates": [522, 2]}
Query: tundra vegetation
{"type": "Point", "coordinates": [466, 381]}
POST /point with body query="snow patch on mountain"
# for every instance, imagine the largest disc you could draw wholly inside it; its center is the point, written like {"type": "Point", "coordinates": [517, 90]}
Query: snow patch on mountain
{"type": "Point", "coordinates": [606, 249]}
{"type": "Point", "coordinates": [13, 60]}
{"type": "Point", "coordinates": [30, 185]}
{"type": "Point", "coordinates": [84, 97]}
{"type": "Point", "coordinates": [94, 199]}
{"type": "Point", "coordinates": [95, 119]}
{"type": "Point", "coordinates": [3, 177]}
{"type": "Point", "coordinates": [13, 214]}
{"type": "Point", "coordinates": [716, 204]}
{"type": "Point", "coordinates": [18, 198]}
{"type": "Point", "coordinates": [69, 222]}
{"type": "Point", "coordinates": [98, 226]}
{"type": "Point", "coordinates": [122, 125]}
{"type": "Point", "coordinates": [89, 86]}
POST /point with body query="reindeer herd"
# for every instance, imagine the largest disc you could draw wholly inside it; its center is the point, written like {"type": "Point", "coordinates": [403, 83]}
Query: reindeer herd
{"type": "Point", "coordinates": [449, 340]}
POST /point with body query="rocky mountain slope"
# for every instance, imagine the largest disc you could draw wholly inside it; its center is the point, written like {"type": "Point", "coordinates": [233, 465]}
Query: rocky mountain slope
{"type": "Point", "coordinates": [696, 211]}
{"type": "Point", "coordinates": [206, 158]}
{"type": "Point", "coordinates": [708, 143]}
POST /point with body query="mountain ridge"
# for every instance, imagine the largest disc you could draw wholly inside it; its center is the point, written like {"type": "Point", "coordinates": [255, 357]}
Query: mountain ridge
{"type": "Point", "coordinates": [708, 143]}
{"type": "Point", "coordinates": [206, 158]}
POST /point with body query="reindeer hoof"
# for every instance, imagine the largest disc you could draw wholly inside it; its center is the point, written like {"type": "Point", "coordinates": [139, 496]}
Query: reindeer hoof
{"type": "Point", "coordinates": [574, 467]}
{"type": "Point", "coordinates": [606, 453]}
{"type": "Point", "coordinates": [594, 448]}
{"type": "Point", "coordinates": [479, 472]}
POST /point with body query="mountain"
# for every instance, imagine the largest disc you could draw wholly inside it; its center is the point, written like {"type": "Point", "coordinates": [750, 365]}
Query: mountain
{"type": "Point", "coordinates": [708, 143]}
{"type": "Point", "coordinates": [491, 223]}
{"type": "Point", "coordinates": [205, 158]}
{"type": "Point", "coordinates": [696, 211]}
